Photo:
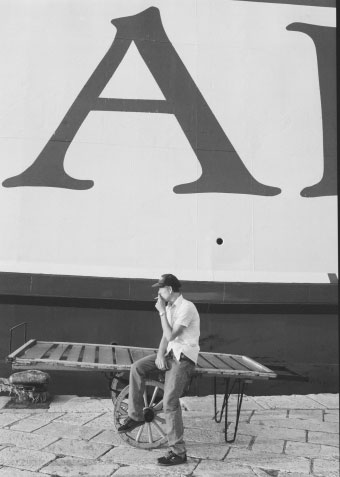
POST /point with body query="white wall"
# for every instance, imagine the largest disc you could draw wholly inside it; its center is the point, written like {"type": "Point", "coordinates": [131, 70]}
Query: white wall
{"type": "Point", "coordinates": [261, 82]}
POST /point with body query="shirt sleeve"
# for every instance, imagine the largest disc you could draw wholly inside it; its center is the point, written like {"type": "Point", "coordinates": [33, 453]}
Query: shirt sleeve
{"type": "Point", "coordinates": [184, 316]}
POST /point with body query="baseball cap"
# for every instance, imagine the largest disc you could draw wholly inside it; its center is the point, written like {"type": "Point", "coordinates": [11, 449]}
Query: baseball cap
{"type": "Point", "coordinates": [168, 280]}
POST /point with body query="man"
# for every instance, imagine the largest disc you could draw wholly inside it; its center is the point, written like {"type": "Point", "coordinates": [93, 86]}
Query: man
{"type": "Point", "coordinates": [177, 355]}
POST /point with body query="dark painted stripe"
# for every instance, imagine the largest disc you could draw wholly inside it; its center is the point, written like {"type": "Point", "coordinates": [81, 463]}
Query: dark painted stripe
{"type": "Point", "coordinates": [102, 290]}
{"type": "Point", "coordinates": [138, 305]}
{"type": "Point", "coordinates": [309, 3]}
{"type": "Point", "coordinates": [333, 278]}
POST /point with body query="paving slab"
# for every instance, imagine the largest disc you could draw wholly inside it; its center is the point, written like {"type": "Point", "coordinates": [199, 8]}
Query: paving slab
{"type": "Point", "coordinates": [26, 459]}
{"type": "Point", "coordinates": [12, 472]}
{"type": "Point", "coordinates": [145, 459]}
{"type": "Point", "coordinates": [24, 439]}
{"type": "Point", "coordinates": [290, 474]}
{"type": "Point", "coordinates": [157, 471]}
{"type": "Point", "coordinates": [268, 446]}
{"type": "Point", "coordinates": [28, 425]}
{"type": "Point", "coordinates": [78, 418]}
{"type": "Point", "coordinates": [75, 467]}
{"type": "Point", "coordinates": [110, 437]}
{"type": "Point", "coordinates": [305, 424]}
{"type": "Point", "coordinates": [29, 411]}
{"type": "Point", "coordinates": [206, 403]}
{"type": "Point", "coordinates": [78, 448]}
{"type": "Point", "coordinates": [104, 421]}
{"type": "Point", "coordinates": [310, 414]}
{"type": "Point", "coordinates": [269, 414]}
{"type": "Point", "coordinates": [207, 451]}
{"type": "Point", "coordinates": [204, 436]}
{"type": "Point", "coordinates": [279, 436]}
{"type": "Point", "coordinates": [265, 473]}
{"type": "Point", "coordinates": [326, 467]}
{"type": "Point", "coordinates": [83, 404]}
{"type": "Point", "coordinates": [9, 418]}
{"type": "Point", "coordinates": [133, 471]}
{"type": "Point", "coordinates": [330, 401]}
{"type": "Point", "coordinates": [307, 449]}
{"type": "Point", "coordinates": [323, 438]}
{"type": "Point", "coordinates": [219, 469]}
{"type": "Point", "coordinates": [242, 440]}
{"type": "Point", "coordinates": [61, 429]}
{"type": "Point", "coordinates": [132, 455]}
{"type": "Point", "coordinates": [3, 401]}
{"type": "Point", "coordinates": [271, 432]}
{"type": "Point", "coordinates": [46, 416]}
{"type": "Point", "coordinates": [331, 418]}
{"type": "Point", "coordinates": [289, 402]}
{"type": "Point", "coordinates": [268, 461]}
{"type": "Point", "coordinates": [248, 403]}
{"type": "Point", "coordinates": [201, 422]}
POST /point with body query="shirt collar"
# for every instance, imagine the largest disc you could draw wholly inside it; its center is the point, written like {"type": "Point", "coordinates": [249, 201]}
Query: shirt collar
{"type": "Point", "coordinates": [177, 302]}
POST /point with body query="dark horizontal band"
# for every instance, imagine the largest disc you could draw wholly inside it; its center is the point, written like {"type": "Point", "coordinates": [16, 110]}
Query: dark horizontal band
{"type": "Point", "coordinates": [137, 294]}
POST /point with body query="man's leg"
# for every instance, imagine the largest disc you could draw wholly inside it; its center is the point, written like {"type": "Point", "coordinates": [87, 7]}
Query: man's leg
{"type": "Point", "coordinates": [139, 371]}
{"type": "Point", "coordinates": [176, 379]}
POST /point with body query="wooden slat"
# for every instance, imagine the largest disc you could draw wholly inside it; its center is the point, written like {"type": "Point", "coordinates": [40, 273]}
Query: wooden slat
{"type": "Point", "coordinates": [122, 356]}
{"type": "Point", "coordinates": [94, 344]}
{"type": "Point", "coordinates": [224, 362]}
{"type": "Point", "coordinates": [92, 357]}
{"type": "Point", "coordinates": [106, 355]}
{"type": "Point", "coordinates": [256, 364]}
{"type": "Point", "coordinates": [229, 362]}
{"type": "Point", "coordinates": [73, 355]}
{"type": "Point", "coordinates": [57, 352]}
{"type": "Point", "coordinates": [240, 365]}
{"type": "Point", "coordinates": [245, 364]}
{"type": "Point", "coordinates": [136, 354]}
{"type": "Point", "coordinates": [68, 348]}
{"type": "Point", "coordinates": [38, 350]}
{"type": "Point", "coordinates": [148, 351]}
{"type": "Point", "coordinates": [89, 355]}
{"type": "Point", "coordinates": [20, 350]}
{"type": "Point", "coordinates": [216, 362]}
{"type": "Point", "coordinates": [203, 363]}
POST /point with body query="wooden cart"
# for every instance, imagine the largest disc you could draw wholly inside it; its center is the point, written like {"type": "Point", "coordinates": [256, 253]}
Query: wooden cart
{"type": "Point", "coordinates": [235, 370]}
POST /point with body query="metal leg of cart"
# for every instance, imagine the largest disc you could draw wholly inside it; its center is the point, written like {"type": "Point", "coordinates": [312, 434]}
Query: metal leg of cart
{"type": "Point", "coordinates": [230, 384]}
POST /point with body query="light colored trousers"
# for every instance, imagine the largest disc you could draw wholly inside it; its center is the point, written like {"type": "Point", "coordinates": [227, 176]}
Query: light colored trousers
{"type": "Point", "coordinates": [176, 379]}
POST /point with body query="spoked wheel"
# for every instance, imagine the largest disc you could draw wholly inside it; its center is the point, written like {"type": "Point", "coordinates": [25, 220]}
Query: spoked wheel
{"type": "Point", "coordinates": [152, 433]}
{"type": "Point", "coordinates": [118, 383]}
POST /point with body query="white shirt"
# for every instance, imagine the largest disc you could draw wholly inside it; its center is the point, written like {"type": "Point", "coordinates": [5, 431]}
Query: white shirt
{"type": "Point", "coordinates": [184, 312]}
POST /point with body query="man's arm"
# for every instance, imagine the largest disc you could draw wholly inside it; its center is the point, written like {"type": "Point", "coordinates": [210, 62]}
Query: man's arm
{"type": "Point", "coordinates": [170, 333]}
{"type": "Point", "coordinates": [160, 359]}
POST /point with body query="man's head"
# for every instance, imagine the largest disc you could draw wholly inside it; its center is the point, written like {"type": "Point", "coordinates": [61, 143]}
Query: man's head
{"type": "Point", "coordinates": [167, 285]}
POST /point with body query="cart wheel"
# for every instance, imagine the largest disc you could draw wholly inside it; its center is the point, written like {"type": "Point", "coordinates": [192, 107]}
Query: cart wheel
{"type": "Point", "coordinates": [118, 383]}
{"type": "Point", "coordinates": [152, 434]}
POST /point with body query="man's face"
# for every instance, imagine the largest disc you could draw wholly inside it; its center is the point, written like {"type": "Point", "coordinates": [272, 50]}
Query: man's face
{"type": "Point", "coordinates": [165, 293]}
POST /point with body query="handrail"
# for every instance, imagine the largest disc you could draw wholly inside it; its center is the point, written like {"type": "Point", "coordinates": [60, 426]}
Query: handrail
{"type": "Point", "coordinates": [11, 334]}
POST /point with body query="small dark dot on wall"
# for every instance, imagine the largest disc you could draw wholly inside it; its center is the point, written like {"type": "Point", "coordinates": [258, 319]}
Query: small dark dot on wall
{"type": "Point", "coordinates": [219, 241]}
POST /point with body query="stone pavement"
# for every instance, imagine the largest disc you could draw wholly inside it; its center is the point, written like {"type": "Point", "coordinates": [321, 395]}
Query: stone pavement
{"type": "Point", "coordinates": [278, 436]}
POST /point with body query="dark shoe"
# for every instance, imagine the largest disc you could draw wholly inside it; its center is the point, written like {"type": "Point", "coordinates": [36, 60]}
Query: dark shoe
{"type": "Point", "coordinates": [172, 459]}
{"type": "Point", "coordinates": [129, 425]}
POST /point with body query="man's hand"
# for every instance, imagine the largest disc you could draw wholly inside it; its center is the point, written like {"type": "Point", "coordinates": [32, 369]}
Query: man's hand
{"type": "Point", "coordinates": [161, 362]}
{"type": "Point", "coordinates": [160, 305]}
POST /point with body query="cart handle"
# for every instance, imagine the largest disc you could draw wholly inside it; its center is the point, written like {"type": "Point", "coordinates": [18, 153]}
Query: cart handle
{"type": "Point", "coordinates": [11, 334]}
